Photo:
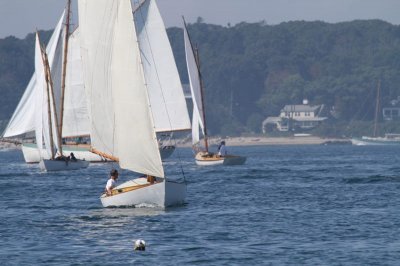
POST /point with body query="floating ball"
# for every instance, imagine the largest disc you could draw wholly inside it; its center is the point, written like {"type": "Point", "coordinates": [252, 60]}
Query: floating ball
{"type": "Point", "coordinates": [140, 245]}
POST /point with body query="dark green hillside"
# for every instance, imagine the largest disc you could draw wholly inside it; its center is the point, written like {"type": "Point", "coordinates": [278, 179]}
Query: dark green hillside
{"type": "Point", "coordinates": [252, 70]}
{"type": "Point", "coordinates": [16, 69]}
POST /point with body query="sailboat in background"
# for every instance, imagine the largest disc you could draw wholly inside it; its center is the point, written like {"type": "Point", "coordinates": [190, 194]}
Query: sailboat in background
{"type": "Point", "coordinates": [75, 121]}
{"type": "Point", "coordinates": [47, 125]}
{"type": "Point", "coordinates": [202, 157]}
{"type": "Point", "coordinates": [130, 44]}
{"type": "Point", "coordinates": [388, 139]}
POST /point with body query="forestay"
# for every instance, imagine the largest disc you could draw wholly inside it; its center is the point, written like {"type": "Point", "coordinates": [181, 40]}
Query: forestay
{"type": "Point", "coordinates": [164, 86]}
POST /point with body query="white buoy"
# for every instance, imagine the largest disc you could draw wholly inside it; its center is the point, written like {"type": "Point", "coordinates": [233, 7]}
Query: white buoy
{"type": "Point", "coordinates": [140, 245]}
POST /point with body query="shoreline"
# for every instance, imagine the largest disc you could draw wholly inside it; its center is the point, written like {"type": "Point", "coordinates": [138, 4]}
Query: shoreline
{"type": "Point", "coordinates": [237, 141]}
{"type": "Point", "coordinates": [260, 141]}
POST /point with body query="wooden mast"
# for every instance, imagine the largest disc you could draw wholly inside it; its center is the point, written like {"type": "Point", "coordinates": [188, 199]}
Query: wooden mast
{"type": "Point", "coordinates": [47, 78]}
{"type": "Point", "coordinates": [377, 108]}
{"type": "Point", "coordinates": [197, 58]}
{"type": "Point", "coordinates": [64, 72]}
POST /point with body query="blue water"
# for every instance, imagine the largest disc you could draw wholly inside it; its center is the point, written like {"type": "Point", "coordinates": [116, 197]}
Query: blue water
{"type": "Point", "coordinates": [289, 205]}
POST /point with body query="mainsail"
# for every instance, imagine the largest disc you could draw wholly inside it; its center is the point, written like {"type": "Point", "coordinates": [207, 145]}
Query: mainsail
{"type": "Point", "coordinates": [121, 119]}
{"type": "Point", "coordinates": [195, 87]}
{"type": "Point", "coordinates": [163, 83]}
{"type": "Point", "coordinates": [76, 118]}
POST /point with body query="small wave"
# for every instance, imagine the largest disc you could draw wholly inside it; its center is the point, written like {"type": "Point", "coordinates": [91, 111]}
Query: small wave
{"type": "Point", "coordinates": [371, 179]}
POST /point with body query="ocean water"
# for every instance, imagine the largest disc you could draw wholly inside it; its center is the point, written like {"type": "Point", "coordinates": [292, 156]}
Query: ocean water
{"type": "Point", "coordinates": [288, 205]}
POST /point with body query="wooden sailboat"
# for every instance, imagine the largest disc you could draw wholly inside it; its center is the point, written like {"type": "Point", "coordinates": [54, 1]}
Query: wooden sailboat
{"type": "Point", "coordinates": [388, 139]}
{"type": "Point", "coordinates": [50, 125]}
{"type": "Point", "coordinates": [203, 156]}
{"type": "Point", "coordinates": [68, 78]}
{"type": "Point", "coordinates": [50, 129]}
{"type": "Point", "coordinates": [130, 44]}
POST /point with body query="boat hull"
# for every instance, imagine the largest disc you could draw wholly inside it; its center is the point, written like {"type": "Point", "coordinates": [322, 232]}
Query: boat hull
{"type": "Point", "coordinates": [162, 194]}
{"type": "Point", "coordinates": [203, 159]}
{"type": "Point", "coordinates": [31, 153]}
{"type": "Point", "coordinates": [60, 165]}
{"type": "Point", "coordinates": [374, 141]}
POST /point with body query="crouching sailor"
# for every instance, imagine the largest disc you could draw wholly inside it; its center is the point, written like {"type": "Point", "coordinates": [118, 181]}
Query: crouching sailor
{"type": "Point", "coordinates": [111, 183]}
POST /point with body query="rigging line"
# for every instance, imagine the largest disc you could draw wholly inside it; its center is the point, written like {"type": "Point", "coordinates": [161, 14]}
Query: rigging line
{"type": "Point", "coordinates": [140, 10]}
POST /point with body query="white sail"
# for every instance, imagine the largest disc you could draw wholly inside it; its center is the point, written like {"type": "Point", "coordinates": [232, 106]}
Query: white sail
{"type": "Point", "coordinates": [111, 55]}
{"type": "Point", "coordinates": [195, 87]}
{"type": "Point", "coordinates": [76, 121]}
{"type": "Point", "coordinates": [165, 89]}
{"type": "Point", "coordinates": [24, 118]}
{"type": "Point", "coordinates": [39, 96]}
{"type": "Point", "coordinates": [96, 26]}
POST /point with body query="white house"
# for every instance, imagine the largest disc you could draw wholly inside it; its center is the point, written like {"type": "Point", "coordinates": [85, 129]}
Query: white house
{"type": "Point", "coordinates": [296, 117]}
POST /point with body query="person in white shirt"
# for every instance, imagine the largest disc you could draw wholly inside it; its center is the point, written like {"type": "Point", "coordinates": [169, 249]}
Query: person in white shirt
{"type": "Point", "coordinates": [222, 149]}
{"type": "Point", "coordinates": [111, 183]}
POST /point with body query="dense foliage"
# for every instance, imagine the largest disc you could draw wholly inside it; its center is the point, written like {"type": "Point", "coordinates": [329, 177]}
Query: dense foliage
{"type": "Point", "coordinates": [252, 70]}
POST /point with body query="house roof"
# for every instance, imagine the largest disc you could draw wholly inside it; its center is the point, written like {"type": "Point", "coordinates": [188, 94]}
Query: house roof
{"type": "Point", "coordinates": [300, 108]}
{"type": "Point", "coordinates": [300, 119]}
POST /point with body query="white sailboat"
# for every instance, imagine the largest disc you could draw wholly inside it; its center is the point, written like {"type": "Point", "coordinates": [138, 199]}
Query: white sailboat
{"type": "Point", "coordinates": [47, 125]}
{"type": "Point", "coordinates": [75, 120]}
{"type": "Point", "coordinates": [387, 139]}
{"type": "Point", "coordinates": [202, 157]}
{"type": "Point", "coordinates": [129, 43]}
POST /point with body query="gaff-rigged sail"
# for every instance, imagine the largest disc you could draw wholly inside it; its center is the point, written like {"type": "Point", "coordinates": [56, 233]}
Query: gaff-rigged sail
{"type": "Point", "coordinates": [76, 121]}
{"type": "Point", "coordinates": [195, 87]}
{"type": "Point", "coordinates": [121, 119]}
{"type": "Point", "coordinates": [167, 100]}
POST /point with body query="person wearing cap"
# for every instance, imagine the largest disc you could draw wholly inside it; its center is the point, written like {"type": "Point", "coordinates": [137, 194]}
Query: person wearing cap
{"type": "Point", "coordinates": [111, 183]}
{"type": "Point", "coordinates": [222, 149]}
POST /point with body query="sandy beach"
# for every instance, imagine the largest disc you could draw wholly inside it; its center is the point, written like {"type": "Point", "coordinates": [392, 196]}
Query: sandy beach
{"type": "Point", "coordinates": [254, 141]}
{"type": "Point", "coordinates": [236, 141]}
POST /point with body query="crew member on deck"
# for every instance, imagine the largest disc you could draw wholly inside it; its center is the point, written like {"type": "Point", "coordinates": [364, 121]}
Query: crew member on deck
{"type": "Point", "coordinates": [222, 149]}
{"type": "Point", "coordinates": [111, 183]}
{"type": "Point", "coordinates": [72, 157]}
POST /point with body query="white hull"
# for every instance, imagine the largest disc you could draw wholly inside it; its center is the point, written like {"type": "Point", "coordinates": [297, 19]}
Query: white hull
{"type": "Point", "coordinates": [162, 194]}
{"type": "Point", "coordinates": [59, 165]}
{"type": "Point", "coordinates": [374, 141]}
{"type": "Point", "coordinates": [203, 160]}
{"type": "Point", "coordinates": [31, 153]}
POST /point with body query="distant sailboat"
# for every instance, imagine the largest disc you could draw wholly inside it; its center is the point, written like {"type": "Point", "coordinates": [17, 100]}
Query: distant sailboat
{"type": "Point", "coordinates": [388, 139]}
{"type": "Point", "coordinates": [129, 43]}
{"type": "Point", "coordinates": [48, 126]}
{"type": "Point", "coordinates": [75, 121]}
{"type": "Point", "coordinates": [202, 157]}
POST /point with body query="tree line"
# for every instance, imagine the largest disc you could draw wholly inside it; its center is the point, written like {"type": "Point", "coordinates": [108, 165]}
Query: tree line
{"type": "Point", "coordinates": [251, 70]}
